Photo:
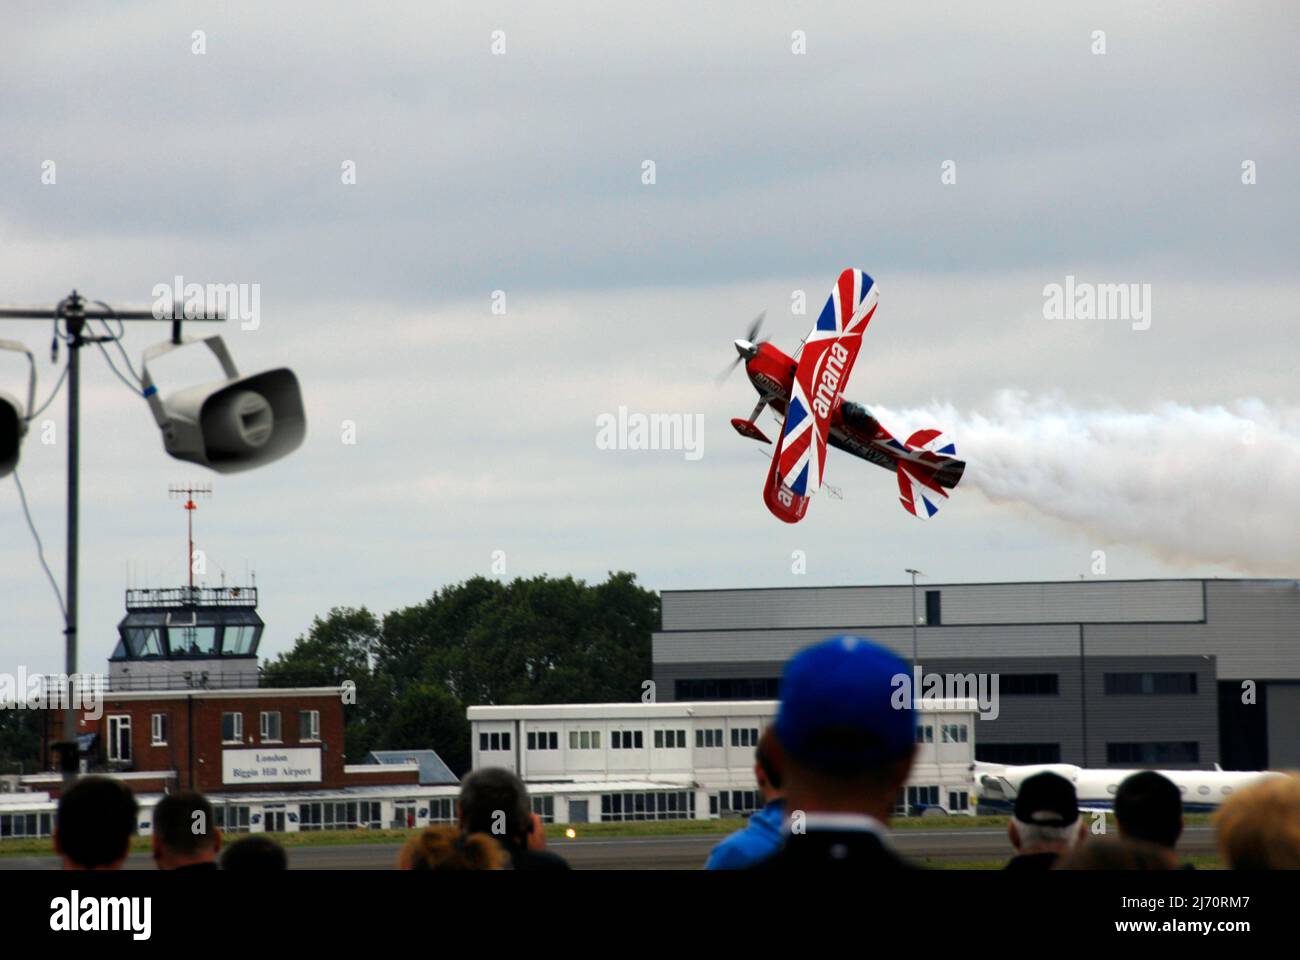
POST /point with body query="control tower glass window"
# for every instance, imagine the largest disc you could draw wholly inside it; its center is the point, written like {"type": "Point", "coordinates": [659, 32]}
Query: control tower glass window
{"type": "Point", "coordinates": [193, 641]}
{"type": "Point", "coordinates": [239, 640]}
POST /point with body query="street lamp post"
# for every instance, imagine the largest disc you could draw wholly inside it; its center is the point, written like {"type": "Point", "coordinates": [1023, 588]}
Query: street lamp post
{"type": "Point", "coordinates": [915, 573]}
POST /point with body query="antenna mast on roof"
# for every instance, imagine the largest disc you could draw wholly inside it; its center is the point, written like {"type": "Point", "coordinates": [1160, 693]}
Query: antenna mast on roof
{"type": "Point", "coordinates": [189, 492]}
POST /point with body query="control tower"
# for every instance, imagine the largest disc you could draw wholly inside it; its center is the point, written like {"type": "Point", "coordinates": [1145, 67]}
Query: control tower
{"type": "Point", "coordinates": [174, 638]}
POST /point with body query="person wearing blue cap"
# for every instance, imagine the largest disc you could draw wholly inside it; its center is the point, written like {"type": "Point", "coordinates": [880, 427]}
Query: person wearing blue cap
{"type": "Point", "coordinates": [845, 747]}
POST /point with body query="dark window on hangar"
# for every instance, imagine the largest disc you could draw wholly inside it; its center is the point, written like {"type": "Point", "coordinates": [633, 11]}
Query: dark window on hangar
{"type": "Point", "coordinates": [728, 688]}
{"type": "Point", "coordinates": [1154, 753]}
{"type": "Point", "coordinates": [1029, 684]}
{"type": "Point", "coordinates": [1149, 683]}
{"type": "Point", "coordinates": [1018, 753]}
{"type": "Point", "coordinates": [932, 611]}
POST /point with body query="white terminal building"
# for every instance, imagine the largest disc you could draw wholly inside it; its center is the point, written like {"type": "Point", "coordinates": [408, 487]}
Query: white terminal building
{"type": "Point", "coordinates": [609, 762]}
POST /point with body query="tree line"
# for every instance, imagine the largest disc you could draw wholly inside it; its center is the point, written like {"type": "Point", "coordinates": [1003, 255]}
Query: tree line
{"type": "Point", "coordinates": [484, 641]}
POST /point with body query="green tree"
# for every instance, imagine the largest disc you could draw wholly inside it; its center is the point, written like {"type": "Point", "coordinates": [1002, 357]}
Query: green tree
{"type": "Point", "coordinates": [540, 640]}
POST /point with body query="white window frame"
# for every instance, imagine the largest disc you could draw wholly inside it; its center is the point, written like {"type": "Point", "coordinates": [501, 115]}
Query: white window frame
{"type": "Point", "coordinates": [158, 730]}
{"type": "Point", "coordinates": [313, 727]}
{"type": "Point", "coordinates": [262, 725]}
{"type": "Point", "coordinates": [116, 723]}
{"type": "Point", "coordinates": [239, 726]}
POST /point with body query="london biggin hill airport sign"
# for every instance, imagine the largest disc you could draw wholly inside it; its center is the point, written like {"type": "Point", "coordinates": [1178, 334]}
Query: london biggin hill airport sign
{"type": "Point", "coordinates": [267, 765]}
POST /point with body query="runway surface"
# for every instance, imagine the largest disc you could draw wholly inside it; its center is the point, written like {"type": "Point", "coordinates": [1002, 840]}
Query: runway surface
{"type": "Point", "coordinates": [650, 853]}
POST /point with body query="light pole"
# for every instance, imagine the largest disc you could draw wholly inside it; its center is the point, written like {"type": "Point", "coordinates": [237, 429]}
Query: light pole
{"type": "Point", "coordinates": [72, 310]}
{"type": "Point", "coordinates": [915, 573]}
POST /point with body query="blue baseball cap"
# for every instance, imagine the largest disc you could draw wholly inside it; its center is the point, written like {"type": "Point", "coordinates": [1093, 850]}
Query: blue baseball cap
{"type": "Point", "coordinates": [838, 711]}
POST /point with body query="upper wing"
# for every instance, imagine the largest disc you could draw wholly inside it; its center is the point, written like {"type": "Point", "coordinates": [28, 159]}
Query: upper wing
{"type": "Point", "coordinates": [828, 356]}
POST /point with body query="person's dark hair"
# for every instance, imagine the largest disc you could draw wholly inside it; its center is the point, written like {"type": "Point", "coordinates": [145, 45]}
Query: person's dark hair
{"type": "Point", "coordinates": [1117, 853]}
{"type": "Point", "coordinates": [255, 854]}
{"type": "Point", "coordinates": [763, 756]}
{"type": "Point", "coordinates": [487, 791]}
{"type": "Point", "coordinates": [95, 821]}
{"type": "Point", "coordinates": [1149, 807]}
{"type": "Point", "coordinates": [177, 827]}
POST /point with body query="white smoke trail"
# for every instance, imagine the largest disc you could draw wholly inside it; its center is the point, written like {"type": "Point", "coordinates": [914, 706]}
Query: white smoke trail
{"type": "Point", "coordinates": [1218, 484]}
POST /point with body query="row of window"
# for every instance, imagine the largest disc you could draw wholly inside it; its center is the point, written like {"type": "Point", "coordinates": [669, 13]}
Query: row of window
{"type": "Point", "coordinates": [25, 824]}
{"type": "Point", "coordinates": [670, 739]}
{"type": "Point", "coordinates": [670, 805]}
{"type": "Point", "coordinates": [232, 730]}
{"type": "Point", "coordinates": [1145, 754]}
{"type": "Point", "coordinates": [743, 802]}
{"type": "Point", "coordinates": [728, 688]}
{"type": "Point", "coordinates": [324, 815]}
{"type": "Point", "coordinates": [948, 732]}
{"type": "Point", "coordinates": [1150, 683]}
{"type": "Point", "coordinates": [623, 739]}
{"type": "Point", "coordinates": [1150, 754]}
{"type": "Point", "coordinates": [339, 815]}
{"type": "Point", "coordinates": [919, 797]}
{"type": "Point", "coordinates": [232, 726]}
{"type": "Point", "coordinates": [1009, 685]}
{"type": "Point", "coordinates": [1015, 754]}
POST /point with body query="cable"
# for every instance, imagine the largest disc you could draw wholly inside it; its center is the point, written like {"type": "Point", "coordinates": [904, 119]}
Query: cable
{"type": "Point", "coordinates": [117, 339]}
{"type": "Point", "coordinates": [40, 548]}
{"type": "Point", "coordinates": [54, 393]}
{"type": "Point", "coordinates": [136, 388]}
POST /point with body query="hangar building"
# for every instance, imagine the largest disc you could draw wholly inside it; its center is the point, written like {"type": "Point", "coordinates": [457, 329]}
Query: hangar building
{"type": "Point", "coordinates": [1101, 673]}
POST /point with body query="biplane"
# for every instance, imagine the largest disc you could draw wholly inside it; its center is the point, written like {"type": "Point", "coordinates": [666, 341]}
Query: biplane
{"type": "Point", "coordinates": [805, 391]}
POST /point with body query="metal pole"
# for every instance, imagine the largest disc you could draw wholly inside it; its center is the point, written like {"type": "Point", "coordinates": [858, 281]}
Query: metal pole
{"type": "Point", "coordinates": [915, 655]}
{"type": "Point", "coordinates": [75, 324]}
{"type": "Point", "coordinates": [73, 312]}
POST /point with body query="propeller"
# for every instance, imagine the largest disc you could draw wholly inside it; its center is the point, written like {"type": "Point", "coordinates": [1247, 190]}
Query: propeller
{"type": "Point", "coordinates": [746, 347]}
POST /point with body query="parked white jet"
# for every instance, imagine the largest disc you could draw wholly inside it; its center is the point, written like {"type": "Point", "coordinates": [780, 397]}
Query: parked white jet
{"type": "Point", "coordinates": [996, 785]}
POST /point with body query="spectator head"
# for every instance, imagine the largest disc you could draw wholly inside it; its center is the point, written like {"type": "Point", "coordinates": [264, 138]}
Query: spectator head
{"type": "Point", "coordinates": [1046, 815]}
{"type": "Point", "coordinates": [94, 824]}
{"type": "Point", "coordinates": [494, 801]}
{"type": "Point", "coordinates": [184, 831]}
{"type": "Point", "coordinates": [446, 848]}
{"type": "Point", "coordinates": [844, 743]}
{"type": "Point", "coordinates": [1148, 806]}
{"type": "Point", "coordinates": [1117, 853]}
{"type": "Point", "coordinates": [254, 854]}
{"type": "Point", "coordinates": [766, 772]}
{"type": "Point", "coordinates": [1259, 825]}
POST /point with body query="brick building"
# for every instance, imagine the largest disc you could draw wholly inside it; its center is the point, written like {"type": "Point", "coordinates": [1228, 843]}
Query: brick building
{"type": "Point", "coordinates": [219, 741]}
{"type": "Point", "coordinates": [181, 708]}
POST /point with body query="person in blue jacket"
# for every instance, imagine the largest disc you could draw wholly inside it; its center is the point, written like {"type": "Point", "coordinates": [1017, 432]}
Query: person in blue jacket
{"type": "Point", "coordinates": [761, 837]}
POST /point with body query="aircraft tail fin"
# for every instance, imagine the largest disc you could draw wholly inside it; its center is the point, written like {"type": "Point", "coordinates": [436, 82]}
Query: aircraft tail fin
{"type": "Point", "coordinates": [927, 474]}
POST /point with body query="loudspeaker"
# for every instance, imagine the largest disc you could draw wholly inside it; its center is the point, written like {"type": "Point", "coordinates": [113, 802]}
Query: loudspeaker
{"type": "Point", "coordinates": [232, 424]}
{"type": "Point", "coordinates": [13, 415]}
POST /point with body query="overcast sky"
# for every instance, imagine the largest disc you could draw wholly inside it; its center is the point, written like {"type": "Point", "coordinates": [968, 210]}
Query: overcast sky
{"type": "Point", "coordinates": [523, 173]}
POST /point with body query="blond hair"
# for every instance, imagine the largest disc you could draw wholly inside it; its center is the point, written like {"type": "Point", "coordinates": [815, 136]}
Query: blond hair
{"type": "Point", "coordinates": [446, 848]}
{"type": "Point", "coordinates": [1259, 826]}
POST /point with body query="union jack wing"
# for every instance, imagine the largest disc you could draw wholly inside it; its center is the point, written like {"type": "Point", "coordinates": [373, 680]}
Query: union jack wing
{"type": "Point", "coordinates": [824, 366]}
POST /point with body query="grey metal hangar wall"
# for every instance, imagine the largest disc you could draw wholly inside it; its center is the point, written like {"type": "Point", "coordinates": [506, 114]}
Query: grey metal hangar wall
{"type": "Point", "coordinates": [1130, 673]}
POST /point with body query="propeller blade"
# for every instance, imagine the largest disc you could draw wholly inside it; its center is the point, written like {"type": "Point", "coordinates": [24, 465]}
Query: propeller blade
{"type": "Point", "coordinates": [727, 371]}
